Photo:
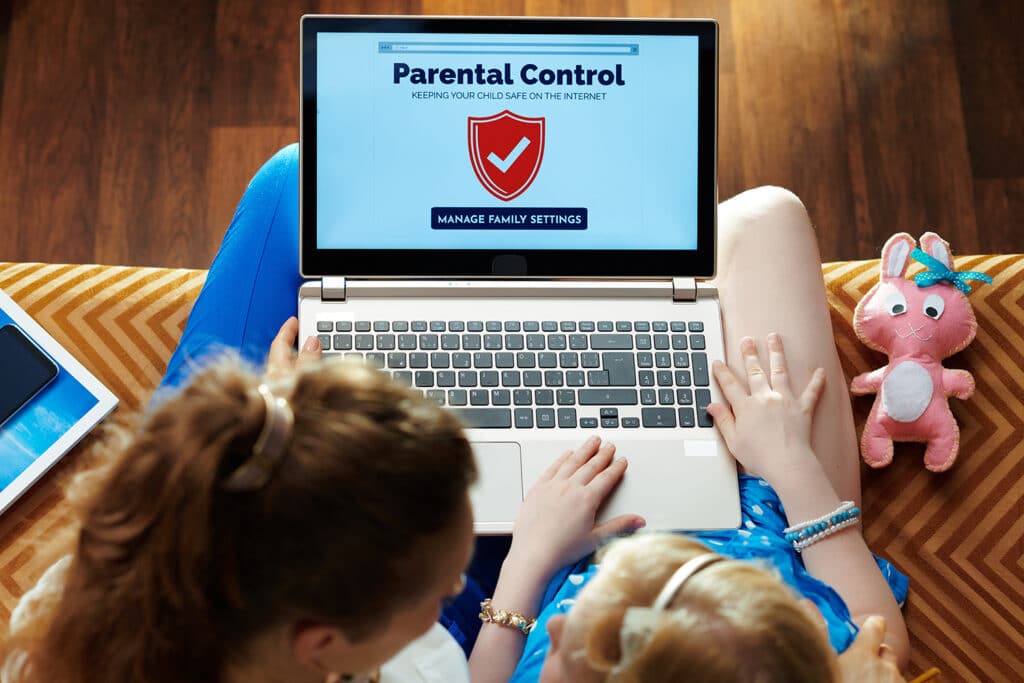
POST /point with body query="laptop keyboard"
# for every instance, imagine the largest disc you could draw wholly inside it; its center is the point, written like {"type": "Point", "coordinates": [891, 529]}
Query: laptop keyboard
{"type": "Point", "coordinates": [566, 374]}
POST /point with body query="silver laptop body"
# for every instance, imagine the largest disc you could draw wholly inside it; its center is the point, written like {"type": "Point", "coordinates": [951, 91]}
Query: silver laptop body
{"type": "Point", "coordinates": [517, 217]}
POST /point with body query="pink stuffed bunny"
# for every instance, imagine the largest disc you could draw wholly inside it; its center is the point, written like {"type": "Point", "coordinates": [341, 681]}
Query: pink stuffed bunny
{"type": "Point", "coordinates": [918, 324]}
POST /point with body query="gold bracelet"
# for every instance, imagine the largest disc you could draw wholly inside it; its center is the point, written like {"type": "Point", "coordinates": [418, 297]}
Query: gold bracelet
{"type": "Point", "coordinates": [506, 618]}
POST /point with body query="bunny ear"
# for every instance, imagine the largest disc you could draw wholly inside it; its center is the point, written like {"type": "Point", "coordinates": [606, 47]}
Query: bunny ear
{"type": "Point", "coordinates": [895, 254]}
{"type": "Point", "coordinates": [938, 248]}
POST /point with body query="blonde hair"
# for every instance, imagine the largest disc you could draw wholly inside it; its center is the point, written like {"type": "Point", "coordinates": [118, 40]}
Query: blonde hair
{"type": "Point", "coordinates": [732, 621]}
{"type": "Point", "coordinates": [172, 576]}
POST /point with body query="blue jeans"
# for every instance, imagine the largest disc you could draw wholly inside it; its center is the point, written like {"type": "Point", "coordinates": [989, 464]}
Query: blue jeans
{"type": "Point", "coordinates": [251, 289]}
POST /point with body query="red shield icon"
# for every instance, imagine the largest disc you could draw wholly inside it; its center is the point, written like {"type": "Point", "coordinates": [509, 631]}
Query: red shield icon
{"type": "Point", "coordinates": [506, 150]}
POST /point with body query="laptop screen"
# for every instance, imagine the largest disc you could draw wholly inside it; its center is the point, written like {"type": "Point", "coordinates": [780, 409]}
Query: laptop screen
{"type": "Point", "coordinates": [533, 138]}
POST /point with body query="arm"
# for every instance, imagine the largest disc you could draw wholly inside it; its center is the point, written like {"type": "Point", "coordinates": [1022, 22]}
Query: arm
{"type": "Point", "coordinates": [868, 382]}
{"type": "Point", "coordinates": [958, 383]}
{"type": "Point", "coordinates": [768, 429]}
{"type": "Point", "coordinates": [555, 526]}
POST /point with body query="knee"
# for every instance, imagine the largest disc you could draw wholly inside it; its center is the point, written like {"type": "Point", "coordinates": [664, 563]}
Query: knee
{"type": "Point", "coordinates": [769, 215]}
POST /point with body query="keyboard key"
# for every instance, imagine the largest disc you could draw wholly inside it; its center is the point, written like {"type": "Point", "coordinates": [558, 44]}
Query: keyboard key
{"type": "Point", "coordinates": [386, 342]}
{"type": "Point", "coordinates": [590, 360]}
{"type": "Point", "coordinates": [682, 378]}
{"type": "Point", "coordinates": [437, 326]}
{"type": "Point", "coordinates": [569, 359]}
{"type": "Point", "coordinates": [324, 326]}
{"type": "Point", "coordinates": [679, 342]}
{"type": "Point", "coordinates": [512, 326]}
{"type": "Point", "coordinates": [553, 378]}
{"type": "Point", "coordinates": [565, 397]}
{"type": "Point", "coordinates": [597, 378]}
{"type": "Point", "coordinates": [400, 326]}
{"type": "Point", "coordinates": [526, 359]}
{"type": "Point", "coordinates": [607, 397]}
{"type": "Point", "coordinates": [556, 342]}
{"type": "Point", "coordinates": [524, 418]}
{"type": "Point", "coordinates": [456, 326]}
{"type": "Point", "coordinates": [680, 359]}
{"type": "Point", "coordinates": [450, 342]}
{"type": "Point", "coordinates": [700, 370]}
{"type": "Point", "coordinates": [544, 397]}
{"type": "Point", "coordinates": [567, 418]}
{"type": "Point", "coordinates": [567, 326]}
{"type": "Point", "coordinates": [631, 422]}
{"type": "Point", "coordinates": [381, 326]}
{"type": "Point", "coordinates": [482, 360]}
{"type": "Point", "coordinates": [645, 360]}
{"type": "Point", "coordinates": [417, 360]}
{"type": "Point", "coordinates": [549, 326]}
{"type": "Point", "coordinates": [479, 397]}
{"type": "Point", "coordinates": [462, 360]}
{"type": "Point", "coordinates": [684, 397]}
{"type": "Point", "coordinates": [686, 417]}
{"type": "Point", "coordinates": [605, 326]}
{"type": "Point", "coordinates": [623, 326]}
{"type": "Point", "coordinates": [424, 378]}
{"type": "Point", "coordinates": [532, 378]}
{"type": "Point", "coordinates": [364, 342]}
{"type": "Point", "coordinates": [504, 360]}
{"type": "Point", "coordinates": [703, 397]}
{"type": "Point", "coordinates": [578, 342]}
{"type": "Point", "coordinates": [489, 378]}
{"type": "Point", "coordinates": [609, 412]}
{"type": "Point", "coordinates": [545, 418]}
{"type": "Point", "coordinates": [531, 326]}
{"type": "Point", "coordinates": [522, 397]}
{"type": "Point", "coordinates": [419, 326]}
{"type": "Point", "coordinates": [428, 342]}
{"type": "Point", "coordinates": [439, 359]}
{"type": "Point", "coordinates": [492, 342]}
{"type": "Point", "coordinates": [446, 378]}
{"type": "Point", "coordinates": [403, 377]}
{"type": "Point", "coordinates": [611, 342]}
{"type": "Point", "coordinates": [645, 378]}
{"type": "Point", "coordinates": [510, 378]}
{"type": "Point", "coordinates": [609, 422]}
{"type": "Point", "coordinates": [435, 395]}
{"type": "Point", "coordinates": [588, 422]}
{"type": "Point", "coordinates": [513, 342]}
{"type": "Point", "coordinates": [587, 326]}
{"type": "Point", "coordinates": [620, 369]}
{"type": "Point", "coordinates": [342, 342]}
{"type": "Point", "coordinates": [677, 326]}
{"type": "Point", "coordinates": [397, 359]}
{"type": "Point", "coordinates": [643, 342]}
{"type": "Point", "coordinates": [666, 397]}
{"type": "Point", "coordinates": [343, 326]}
{"type": "Point", "coordinates": [661, 342]}
{"type": "Point", "coordinates": [536, 342]}
{"type": "Point", "coordinates": [697, 342]}
{"type": "Point", "coordinates": [492, 326]}
{"type": "Point", "coordinates": [662, 360]}
{"type": "Point", "coordinates": [664, 378]}
{"type": "Point", "coordinates": [363, 326]}
{"type": "Point", "coordinates": [487, 418]}
{"type": "Point", "coordinates": [641, 326]}
{"type": "Point", "coordinates": [407, 342]}
{"type": "Point", "coordinates": [501, 397]}
{"type": "Point", "coordinates": [696, 326]}
{"type": "Point", "coordinates": [575, 378]}
{"type": "Point", "coordinates": [475, 326]}
{"type": "Point", "coordinates": [659, 326]}
{"type": "Point", "coordinates": [648, 397]}
{"type": "Point", "coordinates": [547, 360]}
{"type": "Point", "coordinates": [375, 359]}
{"type": "Point", "coordinates": [472, 342]}
{"type": "Point", "coordinates": [457, 397]}
{"type": "Point", "coordinates": [658, 417]}
{"type": "Point", "coordinates": [467, 378]}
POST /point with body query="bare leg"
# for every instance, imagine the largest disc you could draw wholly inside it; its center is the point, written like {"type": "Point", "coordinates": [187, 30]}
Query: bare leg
{"type": "Point", "coordinates": [769, 280]}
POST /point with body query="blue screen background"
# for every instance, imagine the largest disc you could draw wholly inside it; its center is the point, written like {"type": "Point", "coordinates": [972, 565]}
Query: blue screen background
{"type": "Point", "coordinates": [384, 158]}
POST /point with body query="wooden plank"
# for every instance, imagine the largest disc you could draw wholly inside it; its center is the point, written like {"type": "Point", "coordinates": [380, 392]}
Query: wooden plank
{"type": "Point", "coordinates": [918, 173]}
{"type": "Point", "coordinates": [51, 130]}
{"type": "Point", "coordinates": [791, 112]}
{"type": "Point", "coordinates": [987, 39]}
{"type": "Point", "coordinates": [5, 29]}
{"type": "Point", "coordinates": [1000, 211]}
{"type": "Point", "coordinates": [235, 154]}
{"type": "Point", "coordinates": [152, 180]}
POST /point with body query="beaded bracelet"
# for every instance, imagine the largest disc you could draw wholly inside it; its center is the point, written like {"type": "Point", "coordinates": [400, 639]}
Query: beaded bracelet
{"type": "Point", "coordinates": [506, 618]}
{"type": "Point", "coordinates": [810, 532]}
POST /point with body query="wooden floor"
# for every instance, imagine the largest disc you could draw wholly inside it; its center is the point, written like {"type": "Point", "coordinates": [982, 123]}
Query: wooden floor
{"type": "Point", "coordinates": [129, 130]}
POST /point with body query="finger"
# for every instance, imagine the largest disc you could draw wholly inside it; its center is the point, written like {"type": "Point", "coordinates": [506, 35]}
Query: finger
{"type": "Point", "coordinates": [591, 468]}
{"type": "Point", "coordinates": [756, 379]}
{"type": "Point", "coordinates": [311, 352]}
{"type": "Point", "coordinates": [813, 391]}
{"type": "Point", "coordinates": [887, 654]}
{"type": "Point", "coordinates": [777, 365]}
{"type": "Point", "coordinates": [724, 420]}
{"type": "Point", "coordinates": [579, 456]}
{"type": "Point", "coordinates": [732, 390]}
{"type": "Point", "coordinates": [279, 359]}
{"type": "Point", "coordinates": [549, 473]}
{"type": "Point", "coordinates": [619, 526]}
{"type": "Point", "coordinates": [605, 482]}
{"type": "Point", "coordinates": [871, 635]}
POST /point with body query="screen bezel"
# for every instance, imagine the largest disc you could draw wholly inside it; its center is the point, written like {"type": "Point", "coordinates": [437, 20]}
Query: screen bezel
{"type": "Point", "coordinates": [541, 263]}
{"type": "Point", "coordinates": [20, 339]}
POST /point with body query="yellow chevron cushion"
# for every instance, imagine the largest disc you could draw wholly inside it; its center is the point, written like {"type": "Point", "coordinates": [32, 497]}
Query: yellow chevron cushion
{"type": "Point", "coordinates": [958, 535]}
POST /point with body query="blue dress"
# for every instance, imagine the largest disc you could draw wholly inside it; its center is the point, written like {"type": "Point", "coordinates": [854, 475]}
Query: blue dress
{"type": "Point", "coordinates": [760, 537]}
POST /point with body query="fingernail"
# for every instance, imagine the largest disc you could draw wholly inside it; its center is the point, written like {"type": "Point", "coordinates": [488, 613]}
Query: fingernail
{"type": "Point", "coordinates": [875, 622]}
{"type": "Point", "coordinates": [609, 444]}
{"type": "Point", "coordinates": [591, 440]}
{"type": "Point", "coordinates": [772, 337]}
{"type": "Point", "coordinates": [639, 524]}
{"type": "Point", "coordinates": [312, 344]}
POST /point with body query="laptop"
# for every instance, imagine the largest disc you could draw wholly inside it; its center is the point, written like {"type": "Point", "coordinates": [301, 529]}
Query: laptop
{"type": "Point", "coordinates": [517, 217]}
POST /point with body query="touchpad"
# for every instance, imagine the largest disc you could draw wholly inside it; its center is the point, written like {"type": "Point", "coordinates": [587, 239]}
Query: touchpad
{"type": "Point", "coordinates": [498, 491]}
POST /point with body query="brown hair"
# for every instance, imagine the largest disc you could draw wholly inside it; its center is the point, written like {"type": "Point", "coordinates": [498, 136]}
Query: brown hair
{"type": "Point", "coordinates": [172, 576]}
{"type": "Point", "coordinates": [731, 622]}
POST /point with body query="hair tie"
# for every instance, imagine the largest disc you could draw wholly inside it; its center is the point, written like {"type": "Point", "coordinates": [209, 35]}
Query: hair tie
{"type": "Point", "coordinates": [268, 450]}
{"type": "Point", "coordinates": [940, 272]}
{"type": "Point", "coordinates": [638, 623]}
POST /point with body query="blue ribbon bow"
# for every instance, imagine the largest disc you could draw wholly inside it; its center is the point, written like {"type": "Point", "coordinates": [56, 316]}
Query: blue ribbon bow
{"type": "Point", "coordinates": [939, 272]}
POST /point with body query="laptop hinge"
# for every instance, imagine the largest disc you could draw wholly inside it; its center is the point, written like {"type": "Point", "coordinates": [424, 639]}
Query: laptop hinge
{"type": "Point", "coordinates": [332, 289]}
{"type": "Point", "coordinates": [684, 289]}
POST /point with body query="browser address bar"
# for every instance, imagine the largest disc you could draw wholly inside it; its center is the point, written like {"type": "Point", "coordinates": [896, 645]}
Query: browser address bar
{"type": "Point", "coordinates": [481, 48]}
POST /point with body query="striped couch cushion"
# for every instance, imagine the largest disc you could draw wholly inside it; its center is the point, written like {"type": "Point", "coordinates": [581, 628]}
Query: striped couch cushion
{"type": "Point", "coordinates": [958, 535]}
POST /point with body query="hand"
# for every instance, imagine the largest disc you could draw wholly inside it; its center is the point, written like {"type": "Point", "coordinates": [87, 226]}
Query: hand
{"type": "Point", "coordinates": [556, 523]}
{"type": "Point", "coordinates": [868, 659]}
{"type": "Point", "coordinates": [282, 360]}
{"type": "Point", "coordinates": [767, 427]}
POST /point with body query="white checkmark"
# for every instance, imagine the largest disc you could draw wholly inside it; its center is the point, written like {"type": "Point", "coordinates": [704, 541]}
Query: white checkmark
{"type": "Point", "coordinates": [504, 164]}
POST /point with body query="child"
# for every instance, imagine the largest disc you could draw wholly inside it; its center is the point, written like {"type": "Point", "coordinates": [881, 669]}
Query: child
{"type": "Point", "coordinates": [258, 529]}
